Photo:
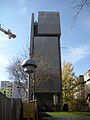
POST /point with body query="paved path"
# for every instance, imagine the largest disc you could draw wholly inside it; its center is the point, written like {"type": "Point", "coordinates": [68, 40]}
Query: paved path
{"type": "Point", "coordinates": [67, 118]}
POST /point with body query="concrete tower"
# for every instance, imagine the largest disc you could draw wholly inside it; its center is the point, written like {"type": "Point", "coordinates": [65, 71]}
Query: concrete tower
{"type": "Point", "coordinates": [45, 43]}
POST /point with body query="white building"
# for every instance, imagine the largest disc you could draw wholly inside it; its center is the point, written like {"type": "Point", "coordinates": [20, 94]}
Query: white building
{"type": "Point", "coordinates": [14, 89]}
{"type": "Point", "coordinates": [5, 84]}
{"type": "Point", "coordinates": [87, 77]}
{"type": "Point", "coordinates": [18, 91]}
{"type": "Point", "coordinates": [85, 81]}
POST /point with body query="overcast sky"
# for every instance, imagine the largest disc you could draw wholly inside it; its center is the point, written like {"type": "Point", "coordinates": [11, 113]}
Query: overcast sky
{"type": "Point", "coordinates": [16, 16]}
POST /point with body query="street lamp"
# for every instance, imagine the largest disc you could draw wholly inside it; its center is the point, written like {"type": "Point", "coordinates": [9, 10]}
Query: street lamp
{"type": "Point", "coordinates": [29, 65]}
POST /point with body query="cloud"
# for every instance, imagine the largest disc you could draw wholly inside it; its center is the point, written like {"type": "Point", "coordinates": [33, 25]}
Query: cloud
{"type": "Point", "coordinates": [3, 78]}
{"type": "Point", "coordinates": [3, 61]}
{"type": "Point", "coordinates": [3, 38]}
{"type": "Point", "coordinates": [76, 54]}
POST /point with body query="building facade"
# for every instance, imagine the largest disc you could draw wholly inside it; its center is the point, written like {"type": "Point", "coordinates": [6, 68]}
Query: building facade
{"type": "Point", "coordinates": [87, 77]}
{"type": "Point", "coordinates": [45, 49]}
{"type": "Point", "coordinates": [5, 84]}
{"type": "Point", "coordinates": [85, 81]}
{"type": "Point", "coordinates": [13, 89]}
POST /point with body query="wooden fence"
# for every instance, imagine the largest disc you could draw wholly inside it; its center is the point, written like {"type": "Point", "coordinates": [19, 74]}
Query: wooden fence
{"type": "Point", "coordinates": [10, 108]}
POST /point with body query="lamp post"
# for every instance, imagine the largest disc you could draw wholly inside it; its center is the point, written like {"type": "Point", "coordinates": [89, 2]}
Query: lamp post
{"type": "Point", "coordinates": [29, 65]}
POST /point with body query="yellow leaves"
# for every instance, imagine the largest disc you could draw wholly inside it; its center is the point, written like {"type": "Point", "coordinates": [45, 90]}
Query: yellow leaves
{"type": "Point", "coordinates": [69, 83]}
{"type": "Point", "coordinates": [67, 71]}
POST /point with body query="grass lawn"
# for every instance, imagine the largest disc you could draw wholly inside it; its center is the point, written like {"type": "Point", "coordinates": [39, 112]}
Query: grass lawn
{"type": "Point", "coordinates": [58, 114]}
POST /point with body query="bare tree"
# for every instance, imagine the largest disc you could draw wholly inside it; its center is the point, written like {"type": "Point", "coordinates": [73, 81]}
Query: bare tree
{"type": "Point", "coordinates": [16, 72]}
{"type": "Point", "coordinates": [81, 103]}
{"type": "Point", "coordinates": [44, 72]}
{"type": "Point", "coordinates": [79, 6]}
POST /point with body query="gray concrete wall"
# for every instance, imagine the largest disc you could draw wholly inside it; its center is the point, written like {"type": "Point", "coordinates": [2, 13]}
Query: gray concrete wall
{"type": "Point", "coordinates": [49, 49]}
{"type": "Point", "coordinates": [45, 41]}
{"type": "Point", "coordinates": [32, 36]}
{"type": "Point", "coordinates": [46, 49]}
{"type": "Point", "coordinates": [49, 23]}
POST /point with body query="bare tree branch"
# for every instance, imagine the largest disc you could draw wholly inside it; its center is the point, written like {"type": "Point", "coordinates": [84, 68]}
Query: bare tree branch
{"type": "Point", "coordinates": [79, 7]}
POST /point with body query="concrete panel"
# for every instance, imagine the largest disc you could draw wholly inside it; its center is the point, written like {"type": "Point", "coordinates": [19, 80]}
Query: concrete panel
{"type": "Point", "coordinates": [32, 36]}
{"type": "Point", "coordinates": [47, 49]}
{"type": "Point", "coordinates": [49, 23]}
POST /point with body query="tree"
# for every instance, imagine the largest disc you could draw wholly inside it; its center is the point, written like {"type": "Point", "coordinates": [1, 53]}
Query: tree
{"type": "Point", "coordinates": [16, 72]}
{"type": "Point", "coordinates": [79, 6]}
{"type": "Point", "coordinates": [87, 94]}
{"type": "Point", "coordinates": [1, 90]}
{"type": "Point", "coordinates": [69, 84]}
{"type": "Point", "coordinates": [44, 72]}
{"type": "Point", "coordinates": [7, 91]}
{"type": "Point", "coordinates": [80, 101]}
